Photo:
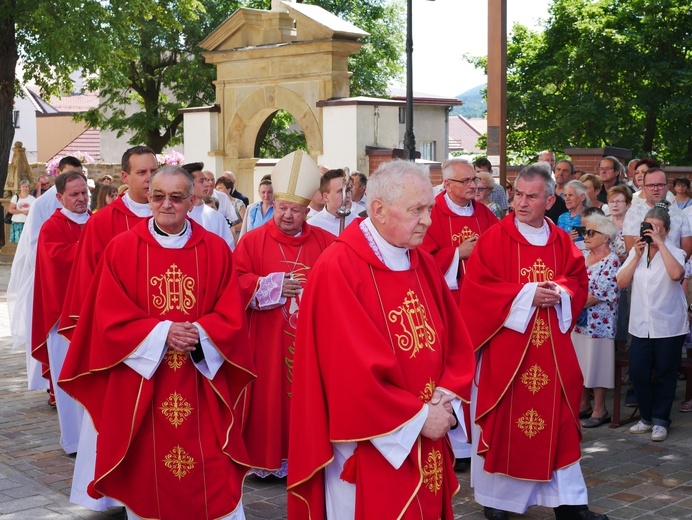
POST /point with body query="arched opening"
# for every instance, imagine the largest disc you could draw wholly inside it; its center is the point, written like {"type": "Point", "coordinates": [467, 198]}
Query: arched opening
{"type": "Point", "coordinates": [279, 135]}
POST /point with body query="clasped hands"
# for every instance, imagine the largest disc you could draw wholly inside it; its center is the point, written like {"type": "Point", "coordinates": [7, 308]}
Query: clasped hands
{"type": "Point", "coordinates": [182, 336]}
{"type": "Point", "coordinates": [291, 287]}
{"type": "Point", "coordinates": [440, 416]}
{"type": "Point", "coordinates": [547, 295]}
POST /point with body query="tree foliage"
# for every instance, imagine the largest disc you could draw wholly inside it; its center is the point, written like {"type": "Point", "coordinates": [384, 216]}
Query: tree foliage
{"type": "Point", "coordinates": [603, 73]}
{"type": "Point", "coordinates": [143, 57]}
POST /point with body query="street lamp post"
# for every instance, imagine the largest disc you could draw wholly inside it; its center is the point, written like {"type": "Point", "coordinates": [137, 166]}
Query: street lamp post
{"type": "Point", "coordinates": [409, 137]}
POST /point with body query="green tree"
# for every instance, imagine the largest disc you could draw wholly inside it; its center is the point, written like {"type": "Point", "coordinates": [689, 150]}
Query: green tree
{"type": "Point", "coordinates": [30, 32]}
{"type": "Point", "coordinates": [144, 55]}
{"type": "Point", "coordinates": [603, 72]}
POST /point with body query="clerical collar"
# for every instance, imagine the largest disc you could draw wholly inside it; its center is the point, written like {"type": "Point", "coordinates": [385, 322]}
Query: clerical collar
{"type": "Point", "coordinates": [534, 236]}
{"type": "Point", "coordinates": [462, 211]}
{"type": "Point", "coordinates": [142, 210]}
{"type": "Point", "coordinates": [396, 258]}
{"type": "Point", "coordinates": [77, 218]}
{"type": "Point", "coordinates": [170, 241]}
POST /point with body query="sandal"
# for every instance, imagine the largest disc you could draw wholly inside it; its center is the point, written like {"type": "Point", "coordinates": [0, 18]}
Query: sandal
{"type": "Point", "coordinates": [595, 422]}
{"type": "Point", "coordinates": [585, 414]}
{"type": "Point", "coordinates": [686, 406]}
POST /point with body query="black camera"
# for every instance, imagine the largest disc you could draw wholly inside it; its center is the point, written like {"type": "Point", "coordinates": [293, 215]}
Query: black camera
{"type": "Point", "coordinates": [644, 227]}
{"type": "Point", "coordinates": [580, 230]}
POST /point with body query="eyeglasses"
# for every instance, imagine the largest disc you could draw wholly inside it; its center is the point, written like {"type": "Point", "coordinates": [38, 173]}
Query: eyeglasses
{"type": "Point", "coordinates": [158, 198]}
{"type": "Point", "coordinates": [465, 182]}
{"type": "Point", "coordinates": [481, 188]}
{"type": "Point", "coordinates": [658, 186]}
{"type": "Point", "coordinates": [612, 202]}
{"type": "Point", "coordinates": [591, 232]}
{"type": "Point", "coordinates": [45, 184]}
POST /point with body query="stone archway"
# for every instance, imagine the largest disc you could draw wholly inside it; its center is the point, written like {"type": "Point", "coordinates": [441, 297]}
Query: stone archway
{"type": "Point", "coordinates": [252, 112]}
{"type": "Point", "coordinates": [288, 58]}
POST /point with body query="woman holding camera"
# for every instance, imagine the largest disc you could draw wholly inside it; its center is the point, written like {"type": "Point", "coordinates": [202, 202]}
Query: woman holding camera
{"type": "Point", "coordinates": [658, 321]}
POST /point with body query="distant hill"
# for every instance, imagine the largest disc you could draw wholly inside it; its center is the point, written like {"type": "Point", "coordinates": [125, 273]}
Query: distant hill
{"type": "Point", "coordinates": [473, 103]}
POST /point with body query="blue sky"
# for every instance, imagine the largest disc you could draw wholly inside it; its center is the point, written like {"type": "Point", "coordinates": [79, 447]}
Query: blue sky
{"type": "Point", "coordinates": [443, 30]}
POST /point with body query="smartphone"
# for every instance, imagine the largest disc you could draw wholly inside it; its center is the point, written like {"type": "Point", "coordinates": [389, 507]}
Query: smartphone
{"type": "Point", "coordinates": [644, 227]}
{"type": "Point", "coordinates": [580, 230]}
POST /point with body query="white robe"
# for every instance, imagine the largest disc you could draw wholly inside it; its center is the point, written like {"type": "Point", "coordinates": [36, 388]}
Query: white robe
{"type": "Point", "coordinates": [20, 289]}
{"type": "Point", "coordinates": [212, 221]}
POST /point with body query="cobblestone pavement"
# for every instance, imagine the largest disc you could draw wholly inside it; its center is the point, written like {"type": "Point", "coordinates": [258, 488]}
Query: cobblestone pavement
{"type": "Point", "coordinates": [628, 476]}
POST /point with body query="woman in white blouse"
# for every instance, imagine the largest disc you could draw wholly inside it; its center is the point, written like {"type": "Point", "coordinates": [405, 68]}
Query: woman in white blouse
{"type": "Point", "coordinates": [658, 322]}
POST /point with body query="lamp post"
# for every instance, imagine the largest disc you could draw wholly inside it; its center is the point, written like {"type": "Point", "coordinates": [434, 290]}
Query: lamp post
{"type": "Point", "coordinates": [409, 138]}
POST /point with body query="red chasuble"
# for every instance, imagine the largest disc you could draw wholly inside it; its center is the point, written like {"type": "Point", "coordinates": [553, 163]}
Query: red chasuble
{"type": "Point", "coordinates": [272, 332]}
{"type": "Point", "coordinates": [98, 232]}
{"type": "Point", "coordinates": [55, 253]}
{"type": "Point", "coordinates": [168, 447]}
{"type": "Point", "coordinates": [448, 230]}
{"type": "Point", "coordinates": [371, 347]}
{"type": "Point", "coordinates": [530, 384]}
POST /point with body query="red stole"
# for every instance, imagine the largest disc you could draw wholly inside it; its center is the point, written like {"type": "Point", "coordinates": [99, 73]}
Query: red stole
{"type": "Point", "coordinates": [530, 384]}
{"type": "Point", "coordinates": [448, 230]}
{"type": "Point", "coordinates": [267, 402]}
{"type": "Point", "coordinates": [403, 338]}
{"type": "Point", "coordinates": [105, 224]}
{"type": "Point", "coordinates": [167, 446]}
{"type": "Point", "coordinates": [55, 253]}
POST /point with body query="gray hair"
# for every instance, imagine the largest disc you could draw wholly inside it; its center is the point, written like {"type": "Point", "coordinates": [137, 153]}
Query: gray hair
{"type": "Point", "coordinates": [486, 176]}
{"type": "Point", "coordinates": [171, 171]}
{"type": "Point", "coordinates": [449, 166]}
{"type": "Point", "coordinates": [617, 165]}
{"type": "Point", "coordinates": [580, 189]}
{"type": "Point", "coordinates": [660, 211]}
{"type": "Point", "coordinates": [24, 182]}
{"type": "Point", "coordinates": [387, 183]}
{"type": "Point", "coordinates": [540, 170]}
{"type": "Point", "coordinates": [604, 225]}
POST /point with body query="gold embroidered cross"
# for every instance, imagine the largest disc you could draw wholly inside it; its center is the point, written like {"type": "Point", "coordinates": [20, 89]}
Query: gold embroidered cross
{"type": "Point", "coordinates": [534, 379]}
{"type": "Point", "coordinates": [531, 423]}
{"type": "Point", "coordinates": [432, 471]}
{"type": "Point", "coordinates": [176, 409]}
{"type": "Point", "coordinates": [179, 462]}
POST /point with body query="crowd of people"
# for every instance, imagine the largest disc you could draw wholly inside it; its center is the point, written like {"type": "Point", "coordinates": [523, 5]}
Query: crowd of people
{"type": "Point", "coordinates": [204, 336]}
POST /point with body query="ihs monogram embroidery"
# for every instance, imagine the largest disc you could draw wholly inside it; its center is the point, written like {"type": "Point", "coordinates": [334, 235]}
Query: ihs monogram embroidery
{"type": "Point", "coordinates": [412, 317]}
{"type": "Point", "coordinates": [464, 234]}
{"type": "Point", "coordinates": [538, 272]}
{"type": "Point", "coordinates": [176, 291]}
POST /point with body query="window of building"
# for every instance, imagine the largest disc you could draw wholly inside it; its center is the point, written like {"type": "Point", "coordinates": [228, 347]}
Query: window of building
{"type": "Point", "coordinates": [15, 118]}
{"type": "Point", "coordinates": [427, 150]}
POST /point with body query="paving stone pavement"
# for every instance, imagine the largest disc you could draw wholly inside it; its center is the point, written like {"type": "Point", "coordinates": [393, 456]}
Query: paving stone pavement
{"type": "Point", "coordinates": [628, 475]}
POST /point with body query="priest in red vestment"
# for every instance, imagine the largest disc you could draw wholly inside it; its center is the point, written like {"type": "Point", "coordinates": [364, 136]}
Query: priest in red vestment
{"type": "Point", "coordinates": [55, 252]}
{"type": "Point", "coordinates": [457, 222]}
{"type": "Point", "coordinates": [274, 261]}
{"type": "Point", "coordinates": [159, 359]}
{"type": "Point", "coordinates": [525, 285]}
{"type": "Point", "coordinates": [382, 361]}
{"type": "Point", "coordinates": [125, 212]}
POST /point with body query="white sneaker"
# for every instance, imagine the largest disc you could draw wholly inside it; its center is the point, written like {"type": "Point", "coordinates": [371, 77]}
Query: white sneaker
{"type": "Point", "coordinates": [641, 427]}
{"type": "Point", "coordinates": [659, 433]}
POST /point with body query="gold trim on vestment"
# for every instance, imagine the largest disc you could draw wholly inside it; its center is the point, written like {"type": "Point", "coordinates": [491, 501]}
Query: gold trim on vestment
{"type": "Point", "coordinates": [420, 479]}
{"type": "Point", "coordinates": [289, 197]}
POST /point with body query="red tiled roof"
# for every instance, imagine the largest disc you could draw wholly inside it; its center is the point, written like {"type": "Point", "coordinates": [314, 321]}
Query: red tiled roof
{"type": "Point", "coordinates": [462, 135]}
{"type": "Point", "coordinates": [88, 142]}
{"type": "Point", "coordinates": [75, 102]}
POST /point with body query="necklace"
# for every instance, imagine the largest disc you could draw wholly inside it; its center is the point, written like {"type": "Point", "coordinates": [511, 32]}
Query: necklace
{"type": "Point", "coordinates": [295, 262]}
